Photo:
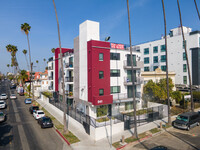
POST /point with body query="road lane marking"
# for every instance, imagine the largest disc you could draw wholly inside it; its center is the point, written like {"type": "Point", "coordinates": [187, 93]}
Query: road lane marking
{"type": "Point", "coordinates": [23, 139]}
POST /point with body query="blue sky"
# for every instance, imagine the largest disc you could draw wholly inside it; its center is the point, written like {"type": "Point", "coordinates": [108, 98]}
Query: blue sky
{"type": "Point", "coordinates": [146, 23]}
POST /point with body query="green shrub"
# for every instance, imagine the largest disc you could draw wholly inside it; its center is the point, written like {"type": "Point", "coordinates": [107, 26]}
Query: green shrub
{"type": "Point", "coordinates": [47, 94]}
{"type": "Point", "coordinates": [102, 110]}
{"type": "Point", "coordinates": [177, 96]}
{"type": "Point", "coordinates": [196, 95]}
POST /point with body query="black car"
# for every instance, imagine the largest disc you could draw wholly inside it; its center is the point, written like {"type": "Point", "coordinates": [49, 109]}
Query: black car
{"type": "Point", "coordinates": [13, 87]}
{"type": "Point", "coordinates": [187, 120]}
{"type": "Point", "coordinates": [33, 108]}
{"type": "Point", "coordinates": [45, 122]}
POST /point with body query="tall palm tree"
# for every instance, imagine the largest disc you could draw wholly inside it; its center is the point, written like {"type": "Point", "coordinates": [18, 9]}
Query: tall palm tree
{"type": "Point", "coordinates": [197, 8]}
{"type": "Point", "coordinates": [133, 78]}
{"type": "Point", "coordinates": [166, 51]}
{"type": "Point", "coordinates": [188, 65]}
{"type": "Point", "coordinates": [53, 50]}
{"type": "Point", "coordinates": [44, 63]}
{"type": "Point", "coordinates": [62, 70]}
{"type": "Point", "coordinates": [37, 64]}
{"type": "Point", "coordinates": [8, 65]}
{"type": "Point", "coordinates": [25, 52]}
{"type": "Point", "coordinates": [23, 76]}
{"type": "Point", "coordinates": [26, 28]}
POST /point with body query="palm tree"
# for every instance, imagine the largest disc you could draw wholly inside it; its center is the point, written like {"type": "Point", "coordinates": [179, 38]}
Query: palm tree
{"type": "Point", "coordinates": [8, 65]}
{"type": "Point", "coordinates": [23, 76]}
{"type": "Point", "coordinates": [197, 8]}
{"type": "Point", "coordinates": [25, 52]}
{"type": "Point", "coordinates": [26, 28]}
{"type": "Point", "coordinates": [44, 63]}
{"type": "Point", "coordinates": [167, 78]}
{"type": "Point", "coordinates": [53, 50]}
{"type": "Point", "coordinates": [133, 78]}
{"type": "Point", "coordinates": [188, 66]}
{"type": "Point", "coordinates": [37, 64]}
{"type": "Point", "coordinates": [62, 70]}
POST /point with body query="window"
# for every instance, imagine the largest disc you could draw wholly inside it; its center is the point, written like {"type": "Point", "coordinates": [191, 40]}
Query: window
{"type": "Point", "coordinates": [146, 68]}
{"type": "Point", "coordinates": [114, 89]}
{"type": "Point", "coordinates": [100, 56]}
{"type": "Point", "coordinates": [155, 49]}
{"type": "Point", "coordinates": [184, 68]}
{"type": "Point", "coordinates": [114, 56]}
{"type": "Point", "coordinates": [163, 58]}
{"type": "Point", "coordinates": [171, 34]}
{"type": "Point", "coordinates": [184, 44]}
{"type": "Point", "coordinates": [184, 56]}
{"type": "Point", "coordinates": [129, 60]}
{"type": "Point", "coordinates": [115, 73]}
{"type": "Point", "coordinates": [101, 92]}
{"type": "Point", "coordinates": [163, 68]}
{"type": "Point", "coordinates": [101, 75]}
{"type": "Point", "coordinates": [184, 79]}
{"type": "Point", "coordinates": [146, 60]}
{"type": "Point", "coordinates": [162, 48]}
{"type": "Point", "coordinates": [146, 51]}
{"type": "Point", "coordinates": [154, 68]}
{"type": "Point", "coordinates": [155, 59]}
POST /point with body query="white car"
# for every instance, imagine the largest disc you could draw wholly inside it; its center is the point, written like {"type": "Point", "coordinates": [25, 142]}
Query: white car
{"type": "Point", "coordinates": [4, 96]}
{"type": "Point", "coordinates": [38, 114]}
{"type": "Point", "coordinates": [2, 104]}
{"type": "Point", "coordinates": [13, 96]}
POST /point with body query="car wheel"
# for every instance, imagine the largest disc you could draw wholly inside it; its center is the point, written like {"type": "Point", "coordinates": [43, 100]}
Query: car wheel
{"type": "Point", "coordinates": [188, 128]}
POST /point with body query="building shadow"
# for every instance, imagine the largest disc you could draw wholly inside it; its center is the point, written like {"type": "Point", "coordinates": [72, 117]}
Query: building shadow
{"type": "Point", "coordinates": [5, 129]}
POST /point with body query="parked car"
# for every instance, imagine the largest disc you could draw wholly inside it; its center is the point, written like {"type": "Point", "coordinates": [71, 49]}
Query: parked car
{"type": "Point", "coordinates": [27, 101]}
{"type": "Point", "coordinates": [2, 116]}
{"type": "Point", "coordinates": [38, 114]}
{"type": "Point", "coordinates": [2, 104]}
{"type": "Point", "coordinates": [4, 96]}
{"type": "Point", "coordinates": [13, 86]}
{"type": "Point", "coordinates": [13, 96]}
{"type": "Point", "coordinates": [187, 120]}
{"type": "Point", "coordinates": [45, 122]}
{"type": "Point", "coordinates": [33, 108]}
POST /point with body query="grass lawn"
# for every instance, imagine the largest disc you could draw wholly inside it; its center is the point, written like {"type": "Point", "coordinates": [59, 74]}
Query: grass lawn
{"type": "Point", "coordinates": [155, 130]}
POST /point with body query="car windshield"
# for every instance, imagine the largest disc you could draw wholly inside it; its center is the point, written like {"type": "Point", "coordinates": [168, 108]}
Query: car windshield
{"type": "Point", "coordinates": [12, 94]}
{"type": "Point", "coordinates": [47, 120]}
{"type": "Point", "coordinates": [40, 112]}
{"type": "Point", "coordinates": [35, 108]}
{"type": "Point", "coordinates": [3, 94]}
{"type": "Point", "coordinates": [182, 118]}
{"type": "Point", "coordinates": [1, 113]}
{"type": "Point", "coordinates": [1, 102]}
{"type": "Point", "coordinates": [28, 99]}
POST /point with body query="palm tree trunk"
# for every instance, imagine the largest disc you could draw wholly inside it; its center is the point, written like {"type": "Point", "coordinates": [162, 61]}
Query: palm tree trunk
{"type": "Point", "coordinates": [166, 51]}
{"type": "Point", "coordinates": [133, 78]}
{"type": "Point", "coordinates": [185, 47]}
{"type": "Point", "coordinates": [197, 8]}
{"type": "Point", "coordinates": [27, 62]}
{"type": "Point", "coordinates": [30, 66]}
{"type": "Point", "coordinates": [62, 70]}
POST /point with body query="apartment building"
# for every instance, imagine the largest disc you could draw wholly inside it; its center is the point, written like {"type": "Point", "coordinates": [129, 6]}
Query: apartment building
{"type": "Point", "coordinates": [97, 73]}
{"type": "Point", "coordinates": [153, 54]}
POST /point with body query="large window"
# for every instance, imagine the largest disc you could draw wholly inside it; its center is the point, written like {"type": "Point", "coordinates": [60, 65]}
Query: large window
{"type": "Point", "coordinates": [163, 58]}
{"type": "Point", "coordinates": [184, 56]}
{"type": "Point", "coordinates": [155, 49]}
{"type": "Point", "coordinates": [146, 60]}
{"type": "Point", "coordinates": [146, 51]}
{"type": "Point", "coordinates": [146, 68]}
{"type": "Point", "coordinates": [155, 59]}
{"type": "Point", "coordinates": [154, 68]}
{"type": "Point", "coordinates": [114, 89]}
{"type": "Point", "coordinates": [115, 73]}
{"type": "Point", "coordinates": [162, 48]}
{"type": "Point", "coordinates": [114, 56]}
{"type": "Point", "coordinates": [129, 60]}
{"type": "Point", "coordinates": [184, 79]}
{"type": "Point", "coordinates": [163, 68]}
{"type": "Point", "coordinates": [100, 56]}
{"type": "Point", "coordinates": [101, 92]}
{"type": "Point", "coordinates": [184, 68]}
{"type": "Point", "coordinates": [101, 75]}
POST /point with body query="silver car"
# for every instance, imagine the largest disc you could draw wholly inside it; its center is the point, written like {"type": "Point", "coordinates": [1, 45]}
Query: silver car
{"type": "Point", "coordinates": [2, 116]}
{"type": "Point", "coordinates": [2, 104]}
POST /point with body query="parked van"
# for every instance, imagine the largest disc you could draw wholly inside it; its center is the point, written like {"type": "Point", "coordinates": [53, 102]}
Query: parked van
{"type": "Point", "coordinates": [187, 120]}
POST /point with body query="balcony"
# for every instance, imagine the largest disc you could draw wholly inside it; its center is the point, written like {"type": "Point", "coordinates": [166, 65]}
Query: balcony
{"type": "Point", "coordinates": [124, 96]}
{"type": "Point", "coordinates": [139, 80]}
{"type": "Point", "coordinates": [50, 78]}
{"type": "Point", "coordinates": [137, 66]}
{"type": "Point", "coordinates": [69, 79]}
{"type": "Point", "coordinates": [69, 65]}
{"type": "Point", "coordinates": [50, 87]}
{"type": "Point", "coordinates": [50, 68]}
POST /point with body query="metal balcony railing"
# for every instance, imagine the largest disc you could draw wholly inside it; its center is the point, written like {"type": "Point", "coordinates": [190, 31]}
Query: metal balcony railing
{"type": "Point", "coordinates": [69, 65]}
{"type": "Point", "coordinates": [138, 81]}
{"type": "Point", "coordinates": [50, 78]}
{"type": "Point", "coordinates": [69, 79]}
{"type": "Point", "coordinates": [138, 65]}
{"type": "Point", "coordinates": [50, 68]}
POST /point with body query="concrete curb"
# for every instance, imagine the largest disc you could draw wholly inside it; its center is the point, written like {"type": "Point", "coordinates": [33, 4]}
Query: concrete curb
{"type": "Point", "coordinates": [62, 137]}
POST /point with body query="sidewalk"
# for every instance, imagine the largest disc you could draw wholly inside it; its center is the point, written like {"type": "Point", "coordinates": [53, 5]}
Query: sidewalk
{"type": "Point", "coordinates": [86, 142]}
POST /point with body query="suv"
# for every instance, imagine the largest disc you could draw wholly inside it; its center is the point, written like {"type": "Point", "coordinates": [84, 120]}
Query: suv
{"type": "Point", "coordinates": [33, 109]}
{"type": "Point", "coordinates": [187, 120]}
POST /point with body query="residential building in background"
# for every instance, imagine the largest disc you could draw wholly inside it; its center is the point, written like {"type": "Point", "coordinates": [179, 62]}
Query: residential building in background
{"type": "Point", "coordinates": [153, 54]}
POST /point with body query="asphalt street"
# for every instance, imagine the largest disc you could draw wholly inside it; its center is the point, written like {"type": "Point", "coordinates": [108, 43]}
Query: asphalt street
{"type": "Point", "coordinates": [174, 139]}
{"type": "Point", "coordinates": [21, 131]}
